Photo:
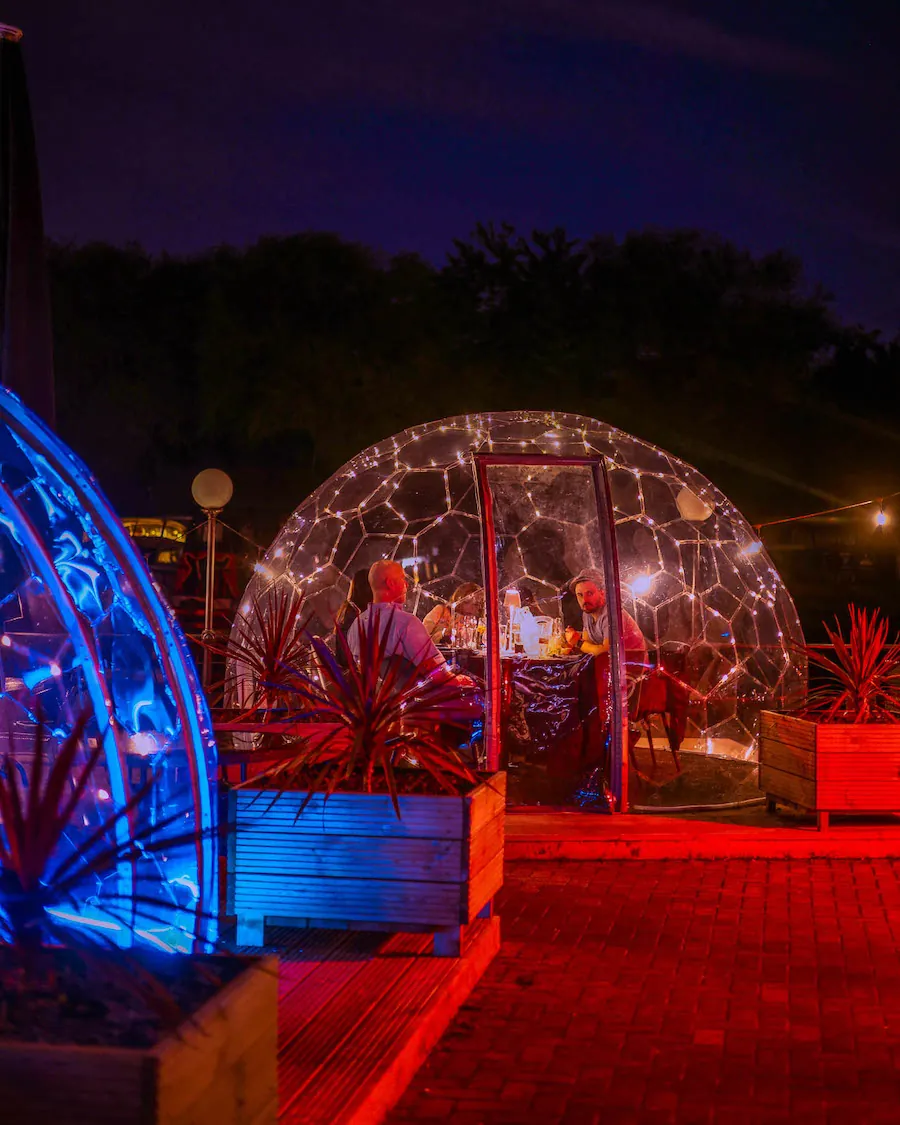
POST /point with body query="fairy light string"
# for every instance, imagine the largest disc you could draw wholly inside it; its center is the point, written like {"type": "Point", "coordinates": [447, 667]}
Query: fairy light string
{"type": "Point", "coordinates": [881, 517]}
{"type": "Point", "coordinates": [693, 572]}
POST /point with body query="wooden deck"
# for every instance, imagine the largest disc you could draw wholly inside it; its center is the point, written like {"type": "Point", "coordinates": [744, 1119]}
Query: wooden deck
{"type": "Point", "coordinates": [358, 1014]}
{"type": "Point", "coordinates": [535, 834]}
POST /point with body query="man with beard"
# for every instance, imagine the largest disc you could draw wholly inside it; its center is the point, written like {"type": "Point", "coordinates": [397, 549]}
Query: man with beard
{"type": "Point", "coordinates": [594, 636]}
{"type": "Point", "coordinates": [593, 682]}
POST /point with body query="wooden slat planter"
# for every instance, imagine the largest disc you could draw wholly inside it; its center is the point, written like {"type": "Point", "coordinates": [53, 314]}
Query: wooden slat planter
{"type": "Point", "coordinates": [219, 1068]}
{"type": "Point", "coordinates": [829, 767]}
{"type": "Point", "coordinates": [349, 861]}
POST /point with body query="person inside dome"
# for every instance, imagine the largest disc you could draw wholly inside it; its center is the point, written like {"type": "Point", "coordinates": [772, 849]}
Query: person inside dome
{"type": "Point", "coordinates": [593, 688]}
{"type": "Point", "coordinates": [358, 600]}
{"type": "Point", "coordinates": [593, 638]}
{"type": "Point", "coordinates": [466, 602]}
{"type": "Point", "coordinates": [406, 636]}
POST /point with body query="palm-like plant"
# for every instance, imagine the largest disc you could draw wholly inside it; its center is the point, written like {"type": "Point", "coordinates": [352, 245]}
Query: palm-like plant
{"type": "Point", "coordinates": [38, 874]}
{"type": "Point", "coordinates": [43, 875]}
{"type": "Point", "coordinates": [268, 642]}
{"type": "Point", "coordinates": [861, 682]}
{"type": "Point", "coordinates": [381, 715]}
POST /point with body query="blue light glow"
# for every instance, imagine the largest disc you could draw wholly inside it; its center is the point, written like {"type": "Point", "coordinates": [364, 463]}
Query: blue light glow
{"type": "Point", "coordinates": [34, 676]}
{"type": "Point", "coordinates": [82, 625]}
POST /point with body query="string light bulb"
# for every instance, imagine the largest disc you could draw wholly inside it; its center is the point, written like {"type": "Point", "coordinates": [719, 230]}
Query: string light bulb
{"type": "Point", "coordinates": [881, 516]}
{"type": "Point", "coordinates": [641, 585]}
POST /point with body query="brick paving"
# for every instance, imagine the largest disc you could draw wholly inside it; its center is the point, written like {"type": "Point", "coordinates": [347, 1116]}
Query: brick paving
{"type": "Point", "coordinates": [677, 993]}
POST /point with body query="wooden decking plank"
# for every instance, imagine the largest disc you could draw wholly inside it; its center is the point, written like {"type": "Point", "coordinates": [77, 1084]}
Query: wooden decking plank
{"type": "Point", "coordinates": [291, 974]}
{"type": "Point", "coordinates": [395, 1068]}
{"type": "Point", "coordinates": [626, 836]}
{"type": "Point", "coordinates": [406, 945]}
{"type": "Point", "coordinates": [304, 1004]}
{"type": "Point", "coordinates": [365, 1077]}
{"type": "Point", "coordinates": [318, 946]}
{"type": "Point", "coordinates": [340, 1081]}
{"type": "Point", "coordinates": [297, 942]}
{"type": "Point", "coordinates": [323, 1035]}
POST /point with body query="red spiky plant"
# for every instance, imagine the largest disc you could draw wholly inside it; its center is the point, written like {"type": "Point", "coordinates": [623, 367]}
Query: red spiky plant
{"type": "Point", "coordinates": [266, 645]}
{"type": "Point", "coordinates": [861, 681]}
{"type": "Point", "coordinates": [40, 872]}
{"type": "Point", "coordinates": [385, 716]}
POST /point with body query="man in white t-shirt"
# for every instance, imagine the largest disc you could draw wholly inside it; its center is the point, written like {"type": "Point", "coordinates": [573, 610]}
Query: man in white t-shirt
{"type": "Point", "coordinates": [406, 635]}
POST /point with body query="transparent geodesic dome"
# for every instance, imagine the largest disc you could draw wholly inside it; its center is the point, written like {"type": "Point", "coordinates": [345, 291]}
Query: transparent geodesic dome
{"type": "Point", "coordinates": [692, 573]}
{"type": "Point", "coordinates": [83, 628]}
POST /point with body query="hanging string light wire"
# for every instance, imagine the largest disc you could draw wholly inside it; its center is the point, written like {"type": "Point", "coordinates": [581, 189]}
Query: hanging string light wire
{"type": "Point", "coordinates": [202, 527]}
{"type": "Point", "coordinates": [833, 511]}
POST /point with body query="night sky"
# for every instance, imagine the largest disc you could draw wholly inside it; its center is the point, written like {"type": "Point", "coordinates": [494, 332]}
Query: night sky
{"type": "Point", "coordinates": [401, 124]}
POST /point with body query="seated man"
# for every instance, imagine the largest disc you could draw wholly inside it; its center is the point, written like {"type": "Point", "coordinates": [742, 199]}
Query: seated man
{"type": "Point", "coordinates": [407, 636]}
{"type": "Point", "coordinates": [593, 688]}
{"type": "Point", "coordinates": [594, 636]}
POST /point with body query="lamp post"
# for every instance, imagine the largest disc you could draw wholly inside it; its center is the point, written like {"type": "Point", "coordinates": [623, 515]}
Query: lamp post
{"type": "Point", "coordinates": [212, 489]}
{"type": "Point", "coordinates": [25, 333]}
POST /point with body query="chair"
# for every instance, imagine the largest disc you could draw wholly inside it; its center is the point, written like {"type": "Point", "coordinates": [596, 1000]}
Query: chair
{"type": "Point", "coordinates": [658, 695]}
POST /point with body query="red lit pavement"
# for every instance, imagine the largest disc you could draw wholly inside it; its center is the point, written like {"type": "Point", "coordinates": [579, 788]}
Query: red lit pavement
{"type": "Point", "coordinates": [680, 992]}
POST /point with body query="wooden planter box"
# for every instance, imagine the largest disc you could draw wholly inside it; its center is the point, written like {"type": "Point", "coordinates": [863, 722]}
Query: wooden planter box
{"type": "Point", "coordinates": [349, 862]}
{"type": "Point", "coordinates": [219, 1068]}
{"type": "Point", "coordinates": [829, 767]}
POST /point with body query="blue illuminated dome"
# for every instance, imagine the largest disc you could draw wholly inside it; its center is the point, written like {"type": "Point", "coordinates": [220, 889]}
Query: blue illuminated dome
{"type": "Point", "coordinates": [83, 627]}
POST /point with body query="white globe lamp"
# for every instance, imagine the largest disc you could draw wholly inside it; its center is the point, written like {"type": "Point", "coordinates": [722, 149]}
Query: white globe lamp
{"type": "Point", "coordinates": [212, 489]}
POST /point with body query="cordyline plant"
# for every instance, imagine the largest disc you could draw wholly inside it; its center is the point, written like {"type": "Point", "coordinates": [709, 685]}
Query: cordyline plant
{"type": "Point", "coordinates": [862, 678]}
{"type": "Point", "coordinates": [267, 644]}
{"type": "Point", "coordinates": [39, 876]}
{"type": "Point", "coordinates": [379, 714]}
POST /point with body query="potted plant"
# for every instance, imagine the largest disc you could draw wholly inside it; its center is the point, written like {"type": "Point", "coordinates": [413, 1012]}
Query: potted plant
{"type": "Point", "coordinates": [374, 822]}
{"type": "Point", "coordinates": [90, 1031]}
{"type": "Point", "coordinates": [841, 752]}
{"type": "Point", "coordinates": [267, 642]}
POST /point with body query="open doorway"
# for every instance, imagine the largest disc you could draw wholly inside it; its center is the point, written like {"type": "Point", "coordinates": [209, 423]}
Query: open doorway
{"type": "Point", "coordinates": [555, 714]}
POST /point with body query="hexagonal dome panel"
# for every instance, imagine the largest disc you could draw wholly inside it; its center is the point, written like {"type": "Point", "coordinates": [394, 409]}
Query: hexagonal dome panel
{"type": "Point", "coordinates": [692, 571]}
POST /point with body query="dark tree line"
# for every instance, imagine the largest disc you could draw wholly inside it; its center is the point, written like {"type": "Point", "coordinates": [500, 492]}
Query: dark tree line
{"type": "Point", "coordinates": [280, 361]}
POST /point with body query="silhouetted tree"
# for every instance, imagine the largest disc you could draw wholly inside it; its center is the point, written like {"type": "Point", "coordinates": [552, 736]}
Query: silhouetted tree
{"type": "Point", "coordinates": [280, 361]}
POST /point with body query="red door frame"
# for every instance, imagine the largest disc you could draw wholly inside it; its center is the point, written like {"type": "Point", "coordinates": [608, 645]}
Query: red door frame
{"type": "Point", "coordinates": [482, 462]}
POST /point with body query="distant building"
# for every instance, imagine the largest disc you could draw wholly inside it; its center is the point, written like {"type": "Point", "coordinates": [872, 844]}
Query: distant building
{"type": "Point", "coordinates": [174, 548]}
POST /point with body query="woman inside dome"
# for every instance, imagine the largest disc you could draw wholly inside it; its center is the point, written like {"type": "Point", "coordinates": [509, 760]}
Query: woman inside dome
{"type": "Point", "coordinates": [358, 600]}
{"type": "Point", "coordinates": [467, 601]}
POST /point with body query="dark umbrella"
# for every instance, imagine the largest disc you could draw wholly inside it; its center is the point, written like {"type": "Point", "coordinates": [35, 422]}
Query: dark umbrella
{"type": "Point", "coordinates": [26, 350]}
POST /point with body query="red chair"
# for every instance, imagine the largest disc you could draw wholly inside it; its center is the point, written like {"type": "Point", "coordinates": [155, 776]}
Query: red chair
{"type": "Point", "coordinates": [659, 695]}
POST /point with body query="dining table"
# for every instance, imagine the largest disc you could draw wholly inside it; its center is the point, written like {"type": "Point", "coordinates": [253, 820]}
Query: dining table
{"type": "Point", "coordinates": [554, 723]}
